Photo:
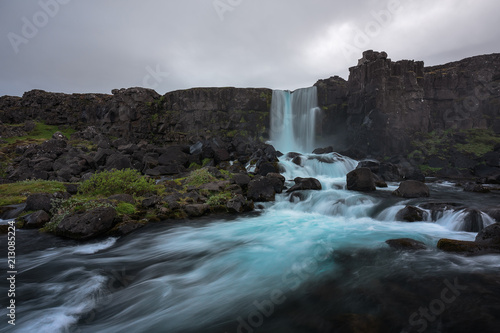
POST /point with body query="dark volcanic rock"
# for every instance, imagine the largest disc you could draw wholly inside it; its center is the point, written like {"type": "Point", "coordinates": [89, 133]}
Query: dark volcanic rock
{"type": "Point", "coordinates": [489, 235]}
{"type": "Point", "coordinates": [412, 189]}
{"type": "Point", "coordinates": [196, 210]}
{"type": "Point", "coordinates": [277, 180]}
{"type": "Point", "coordinates": [39, 201]}
{"type": "Point", "coordinates": [406, 244]}
{"type": "Point", "coordinates": [88, 224]}
{"type": "Point", "coordinates": [473, 221]}
{"type": "Point", "coordinates": [239, 204]}
{"type": "Point", "coordinates": [360, 180]}
{"type": "Point", "coordinates": [261, 189]}
{"type": "Point", "coordinates": [305, 184]}
{"type": "Point", "coordinates": [410, 214]}
{"type": "Point", "coordinates": [36, 219]}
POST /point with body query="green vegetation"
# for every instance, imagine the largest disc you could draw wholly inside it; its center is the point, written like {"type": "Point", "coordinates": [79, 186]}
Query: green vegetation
{"type": "Point", "coordinates": [125, 208]}
{"type": "Point", "coordinates": [219, 199]}
{"type": "Point", "coordinates": [479, 142]}
{"type": "Point", "coordinates": [199, 177]}
{"type": "Point", "coordinates": [62, 208]}
{"type": "Point", "coordinates": [41, 133]}
{"type": "Point", "coordinates": [427, 170]}
{"type": "Point", "coordinates": [15, 193]}
{"type": "Point", "coordinates": [194, 166]}
{"type": "Point", "coordinates": [128, 181]}
{"type": "Point", "coordinates": [205, 161]}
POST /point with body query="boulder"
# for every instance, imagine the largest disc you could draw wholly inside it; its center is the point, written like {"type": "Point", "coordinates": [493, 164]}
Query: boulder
{"type": "Point", "coordinates": [464, 247]}
{"type": "Point", "coordinates": [118, 161]}
{"type": "Point", "coordinates": [261, 189]}
{"type": "Point", "coordinates": [151, 201]}
{"type": "Point", "coordinates": [88, 224]}
{"type": "Point", "coordinates": [325, 150]}
{"type": "Point", "coordinates": [489, 235]}
{"type": "Point", "coordinates": [278, 181]}
{"type": "Point", "coordinates": [473, 221]}
{"type": "Point", "coordinates": [305, 184]}
{"type": "Point", "coordinates": [36, 220]}
{"type": "Point", "coordinates": [239, 204]}
{"type": "Point", "coordinates": [173, 155]}
{"type": "Point", "coordinates": [360, 180]}
{"type": "Point", "coordinates": [39, 201]}
{"type": "Point", "coordinates": [477, 188]}
{"type": "Point", "coordinates": [196, 210]}
{"type": "Point", "coordinates": [405, 244]}
{"type": "Point", "coordinates": [267, 167]}
{"type": "Point", "coordinates": [241, 180]}
{"type": "Point", "coordinates": [410, 214]}
{"type": "Point", "coordinates": [71, 188]}
{"type": "Point", "coordinates": [412, 189]}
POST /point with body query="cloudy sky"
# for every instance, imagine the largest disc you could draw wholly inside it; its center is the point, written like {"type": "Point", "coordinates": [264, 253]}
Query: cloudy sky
{"type": "Point", "coordinates": [99, 45]}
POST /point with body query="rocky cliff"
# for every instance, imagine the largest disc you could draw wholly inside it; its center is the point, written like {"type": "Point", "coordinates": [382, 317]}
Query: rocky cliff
{"type": "Point", "coordinates": [443, 117]}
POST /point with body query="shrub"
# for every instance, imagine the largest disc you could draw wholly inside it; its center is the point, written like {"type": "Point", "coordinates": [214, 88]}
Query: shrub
{"type": "Point", "coordinates": [219, 199]}
{"type": "Point", "coordinates": [62, 208]}
{"type": "Point", "coordinates": [125, 208]}
{"type": "Point", "coordinates": [128, 181]}
{"type": "Point", "coordinates": [200, 177]}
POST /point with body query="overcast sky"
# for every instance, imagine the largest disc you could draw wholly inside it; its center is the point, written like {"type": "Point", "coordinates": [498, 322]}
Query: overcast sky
{"type": "Point", "coordinates": [99, 45]}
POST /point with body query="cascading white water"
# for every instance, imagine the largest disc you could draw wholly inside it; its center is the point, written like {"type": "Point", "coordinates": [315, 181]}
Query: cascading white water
{"type": "Point", "coordinates": [293, 119]}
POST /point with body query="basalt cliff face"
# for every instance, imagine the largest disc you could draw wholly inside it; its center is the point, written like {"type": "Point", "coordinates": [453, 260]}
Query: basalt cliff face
{"type": "Point", "coordinates": [384, 109]}
{"type": "Point", "coordinates": [386, 105]}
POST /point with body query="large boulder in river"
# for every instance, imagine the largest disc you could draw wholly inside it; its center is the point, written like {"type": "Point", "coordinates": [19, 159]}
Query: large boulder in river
{"type": "Point", "coordinates": [39, 201]}
{"type": "Point", "coordinates": [305, 184]}
{"type": "Point", "coordinates": [405, 244]}
{"type": "Point", "coordinates": [412, 189]}
{"type": "Point", "coordinates": [360, 180]}
{"type": "Point", "coordinates": [88, 224]}
{"type": "Point", "coordinates": [261, 189]}
{"type": "Point", "coordinates": [410, 214]}
{"type": "Point", "coordinates": [489, 235]}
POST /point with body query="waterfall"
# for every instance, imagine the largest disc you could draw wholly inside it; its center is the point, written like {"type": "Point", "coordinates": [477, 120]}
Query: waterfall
{"type": "Point", "coordinates": [293, 119]}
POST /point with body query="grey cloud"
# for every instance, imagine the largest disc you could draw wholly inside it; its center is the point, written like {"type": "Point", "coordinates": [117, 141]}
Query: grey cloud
{"type": "Point", "coordinates": [96, 45]}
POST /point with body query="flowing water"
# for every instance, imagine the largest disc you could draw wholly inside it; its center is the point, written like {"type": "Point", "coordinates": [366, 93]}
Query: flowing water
{"type": "Point", "coordinates": [238, 275]}
{"type": "Point", "coordinates": [311, 262]}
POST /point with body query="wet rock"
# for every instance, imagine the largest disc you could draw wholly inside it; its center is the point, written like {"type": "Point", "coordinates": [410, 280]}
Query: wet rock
{"type": "Point", "coordinates": [297, 197]}
{"type": "Point", "coordinates": [261, 189]}
{"type": "Point", "coordinates": [278, 181]}
{"type": "Point", "coordinates": [241, 180]}
{"type": "Point", "coordinates": [473, 221]}
{"type": "Point", "coordinates": [305, 184]}
{"type": "Point", "coordinates": [325, 150]}
{"type": "Point", "coordinates": [465, 247]}
{"type": "Point", "coordinates": [477, 188]}
{"type": "Point", "coordinates": [267, 167]}
{"type": "Point", "coordinates": [88, 224]}
{"type": "Point", "coordinates": [360, 180]}
{"type": "Point", "coordinates": [410, 214]}
{"type": "Point", "coordinates": [151, 201]}
{"type": "Point", "coordinates": [297, 160]}
{"type": "Point", "coordinates": [36, 220]}
{"type": "Point", "coordinates": [239, 204]}
{"type": "Point", "coordinates": [412, 189]}
{"type": "Point", "coordinates": [405, 244]}
{"type": "Point", "coordinates": [489, 235]}
{"type": "Point", "coordinates": [196, 210]}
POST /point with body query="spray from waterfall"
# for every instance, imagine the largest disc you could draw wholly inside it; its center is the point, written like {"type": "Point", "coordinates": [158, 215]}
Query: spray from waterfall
{"type": "Point", "coordinates": [294, 117]}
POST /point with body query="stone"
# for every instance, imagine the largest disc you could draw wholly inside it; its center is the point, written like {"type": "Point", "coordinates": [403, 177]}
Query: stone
{"type": "Point", "coordinates": [196, 210]}
{"type": "Point", "coordinates": [150, 201]}
{"type": "Point", "coordinates": [277, 180]}
{"type": "Point", "coordinates": [241, 179]}
{"type": "Point", "coordinates": [360, 180]}
{"type": "Point", "coordinates": [261, 189]}
{"type": "Point", "coordinates": [238, 204]}
{"type": "Point", "coordinates": [410, 214]}
{"type": "Point", "coordinates": [412, 189]}
{"type": "Point", "coordinates": [88, 224]}
{"type": "Point", "coordinates": [473, 221]}
{"type": "Point", "coordinates": [36, 220]}
{"type": "Point", "coordinates": [489, 235]}
{"type": "Point", "coordinates": [406, 244]}
{"type": "Point", "coordinates": [118, 161]}
{"type": "Point", "coordinates": [325, 150]}
{"type": "Point", "coordinates": [39, 201]}
{"type": "Point", "coordinates": [305, 184]}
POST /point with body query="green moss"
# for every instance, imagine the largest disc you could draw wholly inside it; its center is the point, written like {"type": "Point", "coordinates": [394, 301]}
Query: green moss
{"type": "Point", "coordinates": [127, 181]}
{"type": "Point", "coordinates": [194, 166]}
{"type": "Point", "coordinates": [479, 142]}
{"type": "Point", "coordinates": [41, 133]}
{"type": "Point", "coordinates": [427, 170]}
{"type": "Point", "coordinates": [219, 199]}
{"type": "Point", "coordinates": [15, 193]}
{"type": "Point", "coordinates": [125, 208]}
{"type": "Point", "coordinates": [205, 161]}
